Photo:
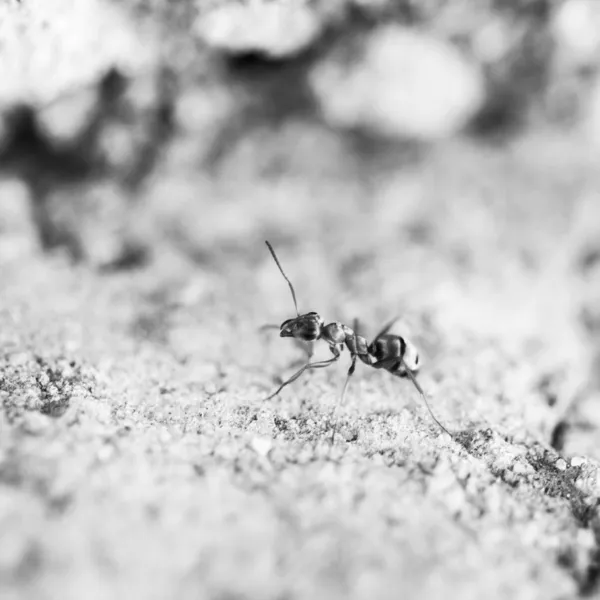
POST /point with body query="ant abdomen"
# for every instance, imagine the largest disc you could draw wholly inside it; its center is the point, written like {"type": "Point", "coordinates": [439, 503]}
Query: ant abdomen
{"type": "Point", "coordinates": [388, 347]}
{"type": "Point", "coordinates": [411, 357]}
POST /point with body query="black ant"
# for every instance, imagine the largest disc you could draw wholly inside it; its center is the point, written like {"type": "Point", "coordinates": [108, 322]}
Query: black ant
{"type": "Point", "coordinates": [387, 351]}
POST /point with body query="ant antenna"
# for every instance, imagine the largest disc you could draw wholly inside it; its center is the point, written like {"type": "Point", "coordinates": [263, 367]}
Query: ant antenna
{"type": "Point", "coordinates": [420, 390]}
{"type": "Point", "coordinates": [284, 275]}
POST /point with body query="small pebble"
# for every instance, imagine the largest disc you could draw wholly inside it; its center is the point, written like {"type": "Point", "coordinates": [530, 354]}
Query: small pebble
{"type": "Point", "coordinates": [165, 436]}
{"type": "Point", "coordinates": [561, 464]}
{"type": "Point", "coordinates": [521, 468]}
{"type": "Point", "coordinates": [273, 30]}
{"type": "Point", "coordinates": [35, 423]}
{"type": "Point", "coordinates": [578, 461]}
{"type": "Point", "coordinates": [43, 379]}
{"type": "Point", "coordinates": [576, 33]}
{"type": "Point", "coordinates": [262, 446]}
{"type": "Point", "coordinates": [350, 435]}
{"type": "Point", "coordinates": [586, 539]}
{"type": "Point", "coordinates": [14, 550]}
{"type": "Point", "coordinates": [105, 453]}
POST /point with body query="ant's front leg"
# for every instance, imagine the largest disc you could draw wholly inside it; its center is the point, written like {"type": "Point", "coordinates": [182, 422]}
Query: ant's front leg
{"type": "Point", "coordinates": [342, 396]}
{"type": "Point", "coordinates": [316, 365]}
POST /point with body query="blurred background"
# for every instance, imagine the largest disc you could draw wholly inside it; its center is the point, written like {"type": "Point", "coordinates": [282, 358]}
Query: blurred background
{"type": "Point", "coordinates": [433, 159]}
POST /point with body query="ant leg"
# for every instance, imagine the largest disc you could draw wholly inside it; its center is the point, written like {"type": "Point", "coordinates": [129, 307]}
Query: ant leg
{"type": "Point", "coordinates": [341, 398]}
{"type": "Point", "coordinates": [290, 380]}
{"type": "Point", "coordinates": [387, 327]}
{"type": "Point", "coordinates": [350, 373]}
{"type": "Point", "coordinates": [316, 365]}
{"type": "Point", "coordinates": [386, 363]}
{"type": "Point", "coordinates": [420, 390]}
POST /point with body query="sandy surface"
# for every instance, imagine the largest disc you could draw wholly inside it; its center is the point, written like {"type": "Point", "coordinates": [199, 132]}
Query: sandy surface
{"type": "Point", "coordinates": [138, 457]}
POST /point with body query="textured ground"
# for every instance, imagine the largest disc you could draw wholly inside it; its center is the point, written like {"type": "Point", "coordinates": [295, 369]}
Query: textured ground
{"type": "Point", "coordinates": [138, 457]}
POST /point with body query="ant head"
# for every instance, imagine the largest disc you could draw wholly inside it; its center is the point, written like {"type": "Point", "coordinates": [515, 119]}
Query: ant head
{"type": "Point", "coordinates": [305, 327]}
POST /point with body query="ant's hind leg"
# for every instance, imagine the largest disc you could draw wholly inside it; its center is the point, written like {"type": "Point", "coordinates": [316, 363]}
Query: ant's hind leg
{"type": "Point", "coordinates": [385, 363]}
{"type": "Point", "coordinates": [390, 365]}
{"type": "Point", "coordinates": [411, 376]}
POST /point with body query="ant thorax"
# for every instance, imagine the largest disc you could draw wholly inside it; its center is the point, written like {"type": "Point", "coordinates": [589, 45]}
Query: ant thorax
{"type": "Point", "coordinates": [307, 328]}
{"type": "Point", "coordinates": [358, 345]}
{"type": "Point", "coordinates": [335, 333]}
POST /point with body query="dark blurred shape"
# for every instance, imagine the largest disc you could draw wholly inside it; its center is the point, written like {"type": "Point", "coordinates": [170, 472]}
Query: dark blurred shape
{"type": "Point", "coordinates": [559, 435]}
{"type": "Point", "coordinates": [269, 94]}
{"type": "Point", "coordinates": [30, 153]}
{"type": "Point", "coordinates": [518, 79]}
{"type": "Point", "coordinates": [132, 257]}
{"type": "Point", "coordinates": [51, 167]}
{"type": "Point", "coordinates": [500, 116]}
{"type": "Point", "coordinates": [589, 259]}
{"type": "Point", "coordinates": [160, 128]}
{"type": "Point", "coordinates": [111, 86]}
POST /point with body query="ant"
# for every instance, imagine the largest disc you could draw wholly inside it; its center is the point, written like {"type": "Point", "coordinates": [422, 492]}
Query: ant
{"type": "Point", "coordinates": [387, 351]}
